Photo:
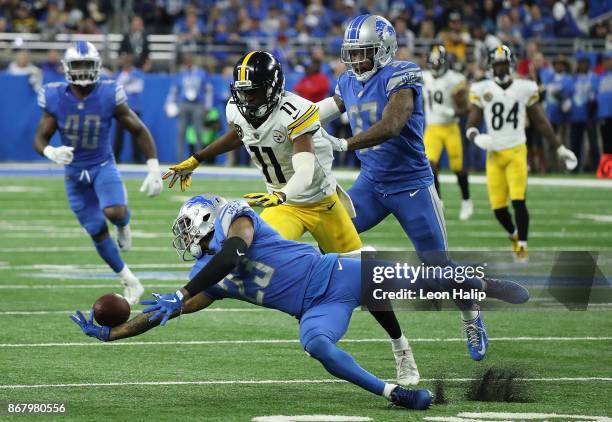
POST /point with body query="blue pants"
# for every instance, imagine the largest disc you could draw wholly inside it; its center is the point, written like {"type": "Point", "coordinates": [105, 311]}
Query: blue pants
{"type": "Point", "coordinates": [418, 211]}
{"type": "Point", "coordinates": [92, 189]}
{"type": "Point", "coordinates": [326, 320]}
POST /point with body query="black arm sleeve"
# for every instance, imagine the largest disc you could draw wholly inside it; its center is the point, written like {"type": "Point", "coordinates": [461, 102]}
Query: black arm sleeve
{"type": "Point", "coordinates": [218, 267]}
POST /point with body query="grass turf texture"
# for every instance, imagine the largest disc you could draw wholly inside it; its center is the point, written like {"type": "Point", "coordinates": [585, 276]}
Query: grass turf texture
{"type": "Point", "coordinates": [38, 217]}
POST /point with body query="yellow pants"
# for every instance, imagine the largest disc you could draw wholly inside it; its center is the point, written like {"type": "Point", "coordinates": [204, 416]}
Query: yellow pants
{"type": "Point", "coordinates": [327, 221]}
{"type": "Point", "coordinates": [506, 175]}
{"type": "Point", "coordinates": [439, 137]}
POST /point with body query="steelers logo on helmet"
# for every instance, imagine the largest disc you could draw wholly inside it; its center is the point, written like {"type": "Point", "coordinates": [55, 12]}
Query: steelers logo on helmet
{"type": "Point", "coordinates": [258, 85]}
{"type": "Point", "coordinates": [501, 64]}
{"type": "Point", "coordinates": [437, 60]}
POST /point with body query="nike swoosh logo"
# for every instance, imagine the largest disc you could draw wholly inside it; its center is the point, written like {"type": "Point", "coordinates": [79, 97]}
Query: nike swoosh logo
{"type": "Point", "coordinates": [413, 193]}
{"type": "Point", "coordinates": [482, 350]}
{"type": "Point", "coordinates": [239, 254]}
{"type": "Point", "coordinates": [339, 265]}
{"type": "Point", "coordinates": [331, 206]}
{"type": "Point", "coordinates": [171, 301]}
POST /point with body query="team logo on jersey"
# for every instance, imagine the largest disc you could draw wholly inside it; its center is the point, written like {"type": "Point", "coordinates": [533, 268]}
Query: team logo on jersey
{"type": "Point", "coordinates": [278, 136]}
{"type": "Point", "coordinates": [239, 131]}
{"type": "Point", "coordinates": [487, 97]}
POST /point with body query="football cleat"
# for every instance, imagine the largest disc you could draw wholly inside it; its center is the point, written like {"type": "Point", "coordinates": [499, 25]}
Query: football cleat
{"type": "Point", "coordinates": [406, 367]}
{"type": "Point", "coordinates": [521, 256]}
{"type": "Point", "coordinates": [124, 238]}
{"type": "Point", "coordinates": [132, 291]}
{"type": "Point", "coordinates": [467, 209]}
{"type": "Point", "coordinates": [411, 399]}
{"type": "Point", "coordinates": [514, 239]}
{"type": "Point", "coordinates": [506, 290]}
{"type": "Point", "coordinates": [477, 339]}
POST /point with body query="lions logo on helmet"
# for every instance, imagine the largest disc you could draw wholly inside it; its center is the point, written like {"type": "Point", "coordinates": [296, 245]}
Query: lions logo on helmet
{"type": "Point", "coordinates": [501, 64]}
{"type": "Point", "coordinates": [82, 64]}
{"type": "Point", "coordinates": [195, 221]}
{"type": "Point", "coordinates": [258, 85]}
{"type": "Point", "coordinates": [437, 60]}
{"type": "Point", "coordinates": [369, 43]}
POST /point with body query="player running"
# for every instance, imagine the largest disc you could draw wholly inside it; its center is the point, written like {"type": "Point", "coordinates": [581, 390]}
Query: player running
{"type": "Point", "coordinates": [82, 110]}
{"type": "Point", "coordinates": [240, 256]}
{"type": "Point", "coordinates": [445, 97]}
{"type": "Point", "coordinates": [282, 133]}
{"type": "Point", "coordinates": [503, 102]}
{"type": "Point", "coordinates": [384, 101]}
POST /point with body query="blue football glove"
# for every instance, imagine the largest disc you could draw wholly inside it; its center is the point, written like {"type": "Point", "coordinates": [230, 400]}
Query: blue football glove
{"type": "Point", "coordinates": [88, 326]}
{"type": "Point", "coordinates": [165, 304]}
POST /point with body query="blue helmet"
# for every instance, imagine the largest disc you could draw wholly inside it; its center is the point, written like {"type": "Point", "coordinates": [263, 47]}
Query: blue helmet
{"type": "Point", "coordinates": [82, 64]}
{"type": "Point", "coordinates": [195, 221]}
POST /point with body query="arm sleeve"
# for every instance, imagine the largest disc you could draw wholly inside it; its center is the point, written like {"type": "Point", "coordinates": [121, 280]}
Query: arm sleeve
{"type": "Point", "coordinates": [303, 167]}
{"type": "Point", "coordinates": [328, 110]}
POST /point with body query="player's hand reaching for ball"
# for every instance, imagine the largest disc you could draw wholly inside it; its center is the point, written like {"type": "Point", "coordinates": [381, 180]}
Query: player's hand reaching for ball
{"type": "Point", "coordinates": [183, 172]}
{"type": "Point", "coordinates": [164, 305]}
{"type": "Point", "coordinates": [89, 327]}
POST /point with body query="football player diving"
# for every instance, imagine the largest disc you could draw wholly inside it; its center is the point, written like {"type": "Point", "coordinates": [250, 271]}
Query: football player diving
{"type": "Point", "coordinates": [383, 98]}
{"type": "Point", "coordinates": [282, 133]}
{"type": "Point", "coordinates": [503, 101]}
{"type": "Point", "coordinates": [239, 256]}
{"type": "Point", "coordinates": [82, 111]}
{"type": "Point", "coordinates": [445, 96]}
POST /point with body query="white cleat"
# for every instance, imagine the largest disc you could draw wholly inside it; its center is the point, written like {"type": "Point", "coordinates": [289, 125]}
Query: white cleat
{"type": "Point", "coordinates": [124, 238]}
{"type": "Point", "coordinates": [133, 290]}
{"type": "Point", "coordinates": [405, 365]}
{"type": "Point", "coordinates": [467, 209]}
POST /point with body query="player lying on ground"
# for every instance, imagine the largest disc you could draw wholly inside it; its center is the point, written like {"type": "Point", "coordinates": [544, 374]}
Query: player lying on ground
{"type": "Point", "coordinates": [282, 133]}
{"type": "Point", "coordinates": [503, 102]}
{"type": "Point", "coordinates": [82, 110]}
{"type": "Point", "coordinates": [240, 256]}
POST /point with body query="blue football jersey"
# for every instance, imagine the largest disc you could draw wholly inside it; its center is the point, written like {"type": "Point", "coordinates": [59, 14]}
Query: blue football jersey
{"type": "Point", "coordinates": [604, 96]}
{"type": "Point", "coordinates": [557, 90]}
{"type": "Point", "coordinates": [399, 163]}
{"type": "Point", "coordinates": [583, 96]}
{"type": "Point", "coordinates": [273, 272]}
{"type": "Point", "coordinates": [84, 123]}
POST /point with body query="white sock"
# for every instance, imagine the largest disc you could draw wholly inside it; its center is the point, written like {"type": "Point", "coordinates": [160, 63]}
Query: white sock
{"type": "Point", "coordinates": [126, 274]}
{"type": "Point", "coordinates": [515, 233]}
{"type": "Point", "coordinates": [469, 315]}
{"type": "Point", "coordinates": [399, 344]}
{"type": "Point", "coordinates": [387, 391]}
{"type": "Point", "coordinates": [522, 244]}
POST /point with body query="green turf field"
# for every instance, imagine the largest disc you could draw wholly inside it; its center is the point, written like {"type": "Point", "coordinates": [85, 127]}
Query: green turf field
{"type": "Point", "coordinates": [238, 362]}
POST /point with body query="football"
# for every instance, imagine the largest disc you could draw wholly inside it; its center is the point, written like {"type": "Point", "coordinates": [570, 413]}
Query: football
{"type": "Point", "coordinates": [111, 310]}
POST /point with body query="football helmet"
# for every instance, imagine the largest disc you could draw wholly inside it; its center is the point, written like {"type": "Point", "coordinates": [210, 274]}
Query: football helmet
{"type": "Point", "coordinates": [195, 221]}
{"type": "Point", "coordinates": [369, 44]}
{"type": "Point", "coordinates": [258, 85]}
{"type": "Point", "coordinates": [501, 54]}
{"type": "Point", "coordinates": [82, 64]}
{"type": "Point", "coordinates": [437, 60]}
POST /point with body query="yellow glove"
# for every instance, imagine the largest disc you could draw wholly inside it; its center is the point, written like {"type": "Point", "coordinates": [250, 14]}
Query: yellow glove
{"type": "Point", "coordinates": [265, 199]}
{"type": "Point", "coordinates": [183, 171]}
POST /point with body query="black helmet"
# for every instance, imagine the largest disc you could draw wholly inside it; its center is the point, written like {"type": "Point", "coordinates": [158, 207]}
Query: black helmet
{"type": "Point", "coordinates": [502, 54]}
{"type": "Point", "coordinates": [437, 60]}
{"type": "Point", "coordinates": [258, 85]}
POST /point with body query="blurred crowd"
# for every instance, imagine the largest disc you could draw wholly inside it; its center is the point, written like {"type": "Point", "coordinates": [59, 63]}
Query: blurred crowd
{"type": "Point", "coordinates": [571, 87]}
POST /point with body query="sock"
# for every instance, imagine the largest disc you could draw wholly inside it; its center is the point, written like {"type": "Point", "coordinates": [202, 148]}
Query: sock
{"type": "Point", "coordinates": [342, 365]}
{"type": "Point", "coordinates": [469, 315]}
{"type": "Point", "coordinates": [521, 216]}
{"type": "Point", "coordinates": [505, 219]}
{"type": "Point", "coordinates": [522, 244]}
{"type": "Point", "coordinates": [399, 344]}
{"type": "Point", "coordinates": [436, 181]}
{"type": "Point", "coordinates": [462, 180]}
{"type": "Point", "coordinates": [123, 221]}
{"type": "Point", "coordinates": [387, 391]}
{"type": "Point", "coordinates": [388, 321]}
{"type": "Point", "coordinates": [108, 251]}
{"type": "Point", "coordinates": [126, 274]}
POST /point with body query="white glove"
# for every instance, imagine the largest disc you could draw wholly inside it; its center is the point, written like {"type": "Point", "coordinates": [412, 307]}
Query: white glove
{"type": "Point", "coordinates": [568, 157]}
{"type": "Point", "coordinates": [338, 144]}
{"type": "Point", "coordinates": [483, 141]}
{"type": "Point", "coordinates": [61, 155]}
{"type": "Point", "coordinates": [152, 184]}
{"type": "Point", "coordinates": [447, 112]}
{"type": "Point", "coordinates": [171, 110]}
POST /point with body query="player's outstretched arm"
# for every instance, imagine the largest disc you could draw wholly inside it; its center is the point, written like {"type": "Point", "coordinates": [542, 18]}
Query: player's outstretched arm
{"type": "Point", "coordinates": [182, 171]}
{"type": "Point", "coordinates": [538, 119]}
{"type": "Point", "coordinates": [330, 109]}
{"type": "Point", "coordinates": [397, 111]}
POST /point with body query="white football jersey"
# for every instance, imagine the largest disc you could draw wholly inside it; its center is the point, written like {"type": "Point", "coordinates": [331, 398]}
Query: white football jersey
{"type": "Point", "coordinates": [505, 110]}
{"type": "Point", "coordinates": [439, 92]}
{"type": "Point", "coordinates": [271, 145]}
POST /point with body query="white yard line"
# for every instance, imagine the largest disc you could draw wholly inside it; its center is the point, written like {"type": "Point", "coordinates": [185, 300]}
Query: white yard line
{"type": "Point", "coordinates": [264, 382]}
{"type": "Point", "coordinates": [285, 341]}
